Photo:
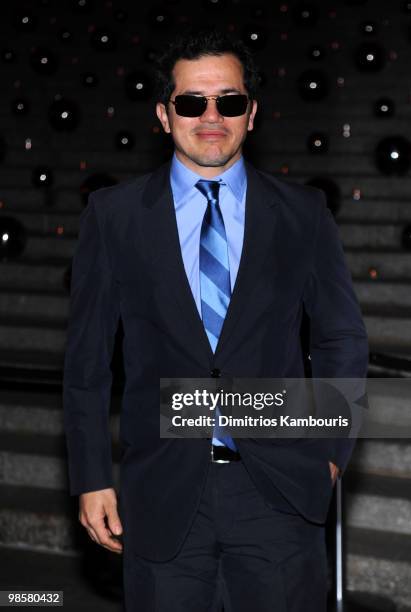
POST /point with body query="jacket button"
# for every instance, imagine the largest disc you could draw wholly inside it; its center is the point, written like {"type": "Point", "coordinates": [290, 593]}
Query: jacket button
{"type": "Point", "coordinates": [215, 373]}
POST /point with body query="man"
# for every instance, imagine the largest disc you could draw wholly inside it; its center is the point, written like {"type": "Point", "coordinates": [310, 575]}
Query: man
{"type": "Point", "coordinates": [210, 265]}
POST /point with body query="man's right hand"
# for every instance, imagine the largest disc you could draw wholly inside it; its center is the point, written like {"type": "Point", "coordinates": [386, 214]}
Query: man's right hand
{"type": "Point", "coordinates": [95, 508]}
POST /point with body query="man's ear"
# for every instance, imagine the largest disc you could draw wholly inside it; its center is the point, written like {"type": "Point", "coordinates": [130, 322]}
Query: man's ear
{"type": "Point", "coordinates": [252, 115]}
{"type": "Point", "coordinates": [163, 117]}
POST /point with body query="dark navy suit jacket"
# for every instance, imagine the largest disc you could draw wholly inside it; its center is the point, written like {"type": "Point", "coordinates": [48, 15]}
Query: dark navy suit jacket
{"type": "Point", "coordinates": [128, 264]}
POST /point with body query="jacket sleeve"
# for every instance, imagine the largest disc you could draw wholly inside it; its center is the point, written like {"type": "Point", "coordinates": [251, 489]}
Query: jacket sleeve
{"type": "Point", "coordinates": [92, 324]}
{"type": "Point", "coordinates": [338, 338]}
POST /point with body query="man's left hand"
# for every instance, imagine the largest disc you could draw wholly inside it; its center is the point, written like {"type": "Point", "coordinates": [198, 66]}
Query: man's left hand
{"type": "Point", "coordinates": [334, 472]}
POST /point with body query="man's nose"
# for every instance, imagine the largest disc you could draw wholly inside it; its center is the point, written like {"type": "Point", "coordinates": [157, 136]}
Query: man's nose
{"type": "Point", "coordinates": [211, 114]}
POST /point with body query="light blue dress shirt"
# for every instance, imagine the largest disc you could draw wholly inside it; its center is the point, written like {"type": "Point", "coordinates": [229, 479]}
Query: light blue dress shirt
{"type": "Point", "coordinates": [190, 206]}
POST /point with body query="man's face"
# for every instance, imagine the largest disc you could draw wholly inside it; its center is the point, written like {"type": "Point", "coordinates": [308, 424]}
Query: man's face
{"type": "Point", "coordinates": [211, 143]}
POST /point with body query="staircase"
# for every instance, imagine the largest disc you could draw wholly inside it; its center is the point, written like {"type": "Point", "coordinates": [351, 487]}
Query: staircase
{"type": "Point", "coordinates": [36, 512]}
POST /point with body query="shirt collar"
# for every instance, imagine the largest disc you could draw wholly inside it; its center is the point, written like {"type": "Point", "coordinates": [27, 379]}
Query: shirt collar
{"type": "Point", "coordinates": [183, 179]}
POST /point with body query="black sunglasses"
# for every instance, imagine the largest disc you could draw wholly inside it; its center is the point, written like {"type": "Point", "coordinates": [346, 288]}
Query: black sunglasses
{"type": "Point", "coordinates": [188, 105]}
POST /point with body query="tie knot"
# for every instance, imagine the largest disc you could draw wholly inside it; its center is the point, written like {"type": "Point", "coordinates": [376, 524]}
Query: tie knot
{"type": "Point", "coordinates": [209, 189]}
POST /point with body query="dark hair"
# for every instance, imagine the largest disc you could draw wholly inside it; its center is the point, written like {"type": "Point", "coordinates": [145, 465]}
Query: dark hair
{"type": "Point", "coordinates": [199, 43]}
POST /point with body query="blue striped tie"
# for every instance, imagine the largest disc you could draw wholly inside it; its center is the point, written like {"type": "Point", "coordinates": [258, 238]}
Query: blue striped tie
{"type": "Point", "coordinates": [215, 285]}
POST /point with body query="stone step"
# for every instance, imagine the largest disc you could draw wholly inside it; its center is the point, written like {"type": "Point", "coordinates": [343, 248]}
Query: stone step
{"type": "Point", "coordinates": [37, 460]}
{"type": "Point", "coordinates": [379, 513]}
{"type": "Point", "coordinates": [366, 210]}
{"type": "Point", "coordinates": [398, 311]}
{"type": "Point", "coordinates": [389, 265]}
{"type": "Point", "coordinates": [40, 413]}
{"type": "Point", "coordinates": [53, 306]}
{"type": "Point", "coordinates": [379, 562]}
{"type": "Point", "coordinates": [40, 334]}
{"type": "Point", "coordinates": [389, 403]}
{"type": "Point", "coordinates": [41, 275]}
{"type": "Point", "coordinates": [38, 362]}
{"type": "Point", "coordinates": [35, 336]}
{"type": "Point", "coordinates": [389, 333]}
{"type": "Point", "coordinates": [40, 246]}
{"type": "Point", "coordinates": [30, 368]}
{"type": "Point", "coordinates": [39, 519]}
{"type": "Point", "coordinates": [386, 364]}
{"type": "Point", "coordinates": [382, 293]}
{"type": "Point", "coordinates": [371, 236]}
{"type": "Point", "coordinates": [44, 468]}
{"type": "Point", "coordinates": [383, 457]}
{"type": "Point", "coordinates": [359, 480]}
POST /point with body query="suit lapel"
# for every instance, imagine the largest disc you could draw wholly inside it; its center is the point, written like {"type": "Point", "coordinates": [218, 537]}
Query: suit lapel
{"type": "Point", "coordinates": [260, 224]}
{"type": "Point", "coordinates": [162, 246]}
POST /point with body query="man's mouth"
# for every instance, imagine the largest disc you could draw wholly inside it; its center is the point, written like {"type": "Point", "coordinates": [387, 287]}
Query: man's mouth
{"type": "Point", "coordinates": [210, 134]}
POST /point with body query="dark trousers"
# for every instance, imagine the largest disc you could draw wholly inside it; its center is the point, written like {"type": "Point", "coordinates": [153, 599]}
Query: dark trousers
{"type": "Point", "coordinates": [239, 553]}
